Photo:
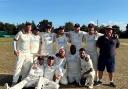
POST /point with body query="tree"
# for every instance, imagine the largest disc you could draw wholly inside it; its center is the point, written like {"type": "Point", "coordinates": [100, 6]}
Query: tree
{"type": "Point", "coordinates": [1, 26]}
{"type": "Point", "coordinates": [84, 28]}
{"type": "Point", "coordinates": [43, 24]}
{"type": "Point", "coordinates": [9, 28]}
{"type": "Point", "coordinates": [69, 26]}
{"type": "Point", "coordinates": [116, 29]}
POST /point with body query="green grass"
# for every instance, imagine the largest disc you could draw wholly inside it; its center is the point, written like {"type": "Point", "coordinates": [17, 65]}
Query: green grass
{"type": "Point", "coordinates": [7, 64]}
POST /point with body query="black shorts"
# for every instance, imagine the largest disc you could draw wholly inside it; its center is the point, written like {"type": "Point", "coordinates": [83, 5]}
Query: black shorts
{"type": "Point", "coordinates": [109, 63]}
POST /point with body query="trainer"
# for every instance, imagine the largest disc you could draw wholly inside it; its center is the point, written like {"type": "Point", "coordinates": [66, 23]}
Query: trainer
{"type": "Point", "coordinates": [107, 45]}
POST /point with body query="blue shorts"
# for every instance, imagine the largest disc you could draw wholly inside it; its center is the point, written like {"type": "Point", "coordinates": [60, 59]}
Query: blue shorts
{"type": "Point", "coordinates": [108, 62]}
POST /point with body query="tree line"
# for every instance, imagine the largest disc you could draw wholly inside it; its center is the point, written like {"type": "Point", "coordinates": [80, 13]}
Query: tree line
{"type": "Point", "coordinates": [12, 29]}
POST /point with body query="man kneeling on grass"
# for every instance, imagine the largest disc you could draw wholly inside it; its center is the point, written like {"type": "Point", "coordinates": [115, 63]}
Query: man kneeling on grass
{"type": "Point", "coordinates": [87, 70]}
{"type": "Point", "coordinates": [35, 76]}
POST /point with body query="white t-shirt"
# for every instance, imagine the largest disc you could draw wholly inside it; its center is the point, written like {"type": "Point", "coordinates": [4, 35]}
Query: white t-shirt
{"type": "Point", "coordinates": [86, 65]}
{"type": "Point", "coordinates": [38, 71]}
{"type": "Point", "coordinates": [77, 38]}
{"type": "Point", "coordinates": [61, 41]}
{"type": "Point", "coordinates": [73, 64]}
{"type": "Point", "coordinates": [23, 42]}
{"type": "Point", "coordinates": [61, 65]}
{"type": "Point", "coordinates": [49, 72]}
{"type": "Point", "coordinates": [35, 43]}
{"type": "Point", "coordinates": [91, 41]}
{"type": "Point", "coordinates": [47, 41]}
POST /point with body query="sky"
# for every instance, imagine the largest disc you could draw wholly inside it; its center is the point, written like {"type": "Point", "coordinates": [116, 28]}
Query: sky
{"type": "Point", "coordinates": [61, 11]}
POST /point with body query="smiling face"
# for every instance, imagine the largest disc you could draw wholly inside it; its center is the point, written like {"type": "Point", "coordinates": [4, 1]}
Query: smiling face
{"type": "Point", "coordinates": [108, 32]}
{"type": "Point", "coordinates": [77, 29]}
{"type": "Point", "coordinates": [50, 61]}
{"type": "Point", "coordinates": [82, 54]}
{"type": "Point", "coordinates": [62, 52]}
{"type": "Point", "coordinates": [91, 30]}
{"type": "Point", "coordinates": [73, 49]}
{"type": "Point", "coordinates": [61, 31]}
{"type": "Point", "coordinates": [28, 28]}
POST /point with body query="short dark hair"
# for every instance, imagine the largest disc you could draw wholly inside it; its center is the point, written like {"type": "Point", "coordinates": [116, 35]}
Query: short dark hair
{"type": "Point", "coordinates": [27, 24]}
{"type": "Point", "coordinates": [50, 58]}
{"type": "Point", "coordinates": [61, 27]}
{"type": "Point", "coordinates": [48, 26]}
{"type": "Point", "coordinates": [82, 49]}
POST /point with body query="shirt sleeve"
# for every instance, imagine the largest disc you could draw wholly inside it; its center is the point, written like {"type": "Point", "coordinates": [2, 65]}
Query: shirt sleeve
{"type": "Point", "coordinates": [17, 35]}
{"type": "Point", "coordinates": [90, 65]}
{"type": "Point", "coordinates": [118, 43]}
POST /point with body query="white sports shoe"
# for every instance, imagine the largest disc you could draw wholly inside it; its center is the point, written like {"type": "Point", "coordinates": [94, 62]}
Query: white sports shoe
{"type": "Point", "coordinates": [7, 86]}
{"type": "Point", "coordinates": [90, 87]}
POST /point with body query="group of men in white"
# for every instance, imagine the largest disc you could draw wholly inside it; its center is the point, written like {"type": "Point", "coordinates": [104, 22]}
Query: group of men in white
{"type": "Point", "coordinates": [46, 59]}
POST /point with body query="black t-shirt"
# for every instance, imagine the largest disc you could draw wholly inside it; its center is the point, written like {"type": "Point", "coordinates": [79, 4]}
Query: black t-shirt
{"type": "Point", "coordinates": [107, 46]}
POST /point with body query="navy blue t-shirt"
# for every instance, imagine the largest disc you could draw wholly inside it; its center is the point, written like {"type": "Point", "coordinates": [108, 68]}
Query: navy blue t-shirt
{"type": "Point", "coordinates": [107, 46]}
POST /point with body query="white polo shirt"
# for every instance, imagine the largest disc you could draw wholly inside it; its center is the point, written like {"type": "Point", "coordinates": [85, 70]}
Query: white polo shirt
{"type": "Point", "coordinates": [47, 40]}
{"type": "Point", "coordinates": [91, 41]}
{"type": "Point", "coordinates": [73, 64]}
{"type": "Point", "coordinates": [61, 41]}
{"type": "Point", "coordinates": [86, 65]}
{"type": "Point", "coordinates": [35, 43]}
{"type": "Point", "coordinates": [23, 42]}
{"type": "Point", "coordinates": [77, 38]}
{"type": "Point", "coordinates": [49, 72]}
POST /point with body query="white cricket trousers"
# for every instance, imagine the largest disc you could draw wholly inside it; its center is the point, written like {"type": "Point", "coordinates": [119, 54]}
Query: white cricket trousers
{"type": "Point", "coordinates": [73, 77]}
{"type": "Point", "coordinates": [45, 83]}
{"type": "Point", "coordinates": [23, 65]}
{"type": "Point", "coordinates": [94, 56]}
{"type": "Point", "coordinates": [90, 78]}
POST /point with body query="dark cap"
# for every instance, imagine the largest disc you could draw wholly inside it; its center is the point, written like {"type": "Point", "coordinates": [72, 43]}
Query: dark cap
{"type": "Point", "coordinates": [36, 29]}
{"type": "Point", "coordinates": [48, 26]}
{"type": "Point", "coordinates": [90, 25]}
{"type": "Point", "coordinates": [61, 28]}
{"type": "Point", "coordinates": [77, 25]}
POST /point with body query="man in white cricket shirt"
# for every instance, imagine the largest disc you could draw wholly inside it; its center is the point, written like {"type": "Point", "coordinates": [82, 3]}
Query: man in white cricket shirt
{"type": "Point", "coordinates": [73, 66]}
{"type": "Point", "coordinates": [35, 43]}
{"type": "Point", "coordinates": [22, 51]}
{"type": "Point", "coordinates": [91, 37]}
{"type": "Point", "coordinates": [87, 70]}
{"type": "Point", "coordinates": [61, 39]}
{"type": "Point", "coordinates": [47, 42]}
{"type": "Point", "coordinates": [76, 37]}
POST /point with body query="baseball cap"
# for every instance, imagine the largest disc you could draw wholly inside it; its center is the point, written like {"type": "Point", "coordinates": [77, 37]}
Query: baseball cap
{"type": "Point", "coordinates": [77, 25]}
{"type": "Point", "coordinates": [48, 26]}
{"type": "Point", "coordinates": [61, 27]}
{"type": "Point", "coordinates": [90, 25]}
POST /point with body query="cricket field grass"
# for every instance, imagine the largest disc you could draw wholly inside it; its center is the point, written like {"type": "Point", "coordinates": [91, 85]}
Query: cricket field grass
{"type": "Point", "coordinates": [7, 65]}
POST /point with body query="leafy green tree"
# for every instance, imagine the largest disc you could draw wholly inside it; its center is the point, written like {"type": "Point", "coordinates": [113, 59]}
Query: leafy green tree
{"type": "Point", "coordinates": [69, 26]}
{"type": "Point", "coordinates": [1, 26]}
{"type": "Point", "coordinates": [84, 28]}
{"type": "Point", "coordinates": [43, 24]}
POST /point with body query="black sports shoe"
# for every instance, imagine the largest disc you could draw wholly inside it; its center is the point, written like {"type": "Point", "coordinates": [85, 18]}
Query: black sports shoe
{"type": "Point", "coordinates": [98, 83]}
{"type": "Point", "coordinates": [112, 84]}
